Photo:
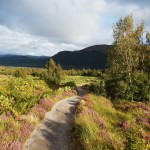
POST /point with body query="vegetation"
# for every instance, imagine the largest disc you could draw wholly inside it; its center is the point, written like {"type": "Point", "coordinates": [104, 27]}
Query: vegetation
{"type": "Point", "coordinates": [20, 73]}
{"type": "Point", "coordinates": [53, 74]}
{"type": "Point", "coordinates": [121, 123]}
{"type": "Point", "coordinates": [78, 80]}
{"type": "Point", "coordinates": [83, 72]}
{"type": "Point", "coordinates": [101, 125]}
{"type": "Point", "coordinates": [129, 63]}
{"type": "Point", "coordinates": [23, 103]}
{"type": "Point", "coordinates": [127, 76]}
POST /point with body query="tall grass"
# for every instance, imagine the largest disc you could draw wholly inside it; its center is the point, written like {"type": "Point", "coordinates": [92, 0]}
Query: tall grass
{"type": "Point", "coordinates": [101, 125]}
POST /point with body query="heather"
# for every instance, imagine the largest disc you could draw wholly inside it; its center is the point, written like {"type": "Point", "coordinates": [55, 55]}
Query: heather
{"type": "Point", "coordinates": [100, 124]}
{"type": "Point", "coordinates": [23, 104]}
{"type": "Point", "coordinates": [114, 115]}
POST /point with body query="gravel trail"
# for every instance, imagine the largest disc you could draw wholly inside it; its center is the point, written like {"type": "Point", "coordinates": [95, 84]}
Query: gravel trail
{"type": "Point", "coordinates": [54, 132]}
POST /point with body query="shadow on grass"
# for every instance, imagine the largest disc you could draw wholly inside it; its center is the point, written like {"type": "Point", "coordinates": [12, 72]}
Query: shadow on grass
{"type": "Point", "coordinates": [77, 143]}
{"type": "Point", "coordinates": [54, 86]}
{"type": "Point", "coordinates": [71, 84]}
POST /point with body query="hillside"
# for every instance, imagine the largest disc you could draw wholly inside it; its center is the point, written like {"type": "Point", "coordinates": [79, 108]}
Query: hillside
{"type": "Point", "coordinates": [23, 61]}
{"type": "Point", "coordinates": [93, 57]}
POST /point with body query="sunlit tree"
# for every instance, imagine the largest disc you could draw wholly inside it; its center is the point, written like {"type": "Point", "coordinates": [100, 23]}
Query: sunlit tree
{"type": "Point", "coordinates": [54, 73]}
{"type": "Point", "coordinates": [127, 57]}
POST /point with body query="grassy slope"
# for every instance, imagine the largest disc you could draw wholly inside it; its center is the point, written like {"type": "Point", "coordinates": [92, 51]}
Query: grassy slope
{"type": "Point", "coordinates": [101, 125]}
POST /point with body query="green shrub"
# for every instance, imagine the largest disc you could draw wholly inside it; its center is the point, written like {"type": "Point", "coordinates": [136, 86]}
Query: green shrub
{"type": "Point", "coordinates": [138, 90]}
{"type": "Point", "coordinates": [53, 75]}
{"type": "Point", "coordinates": [99, 87]}
{"type": "Point", "coordinates": [22, 73]}
{"type": "Point", "coordinates": [141, 86]}
{"type": "Point", "coordinates": [116, 89]}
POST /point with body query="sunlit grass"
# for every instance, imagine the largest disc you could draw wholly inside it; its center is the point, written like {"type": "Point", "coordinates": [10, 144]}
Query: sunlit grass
{"type": "Point", "coordinates": [100, 124]}
{"type": "Point", "coordinates": [79, 80]}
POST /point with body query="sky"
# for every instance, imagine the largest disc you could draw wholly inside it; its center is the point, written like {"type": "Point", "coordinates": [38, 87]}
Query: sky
{"type": "Point", "coordinates": [45, 27]}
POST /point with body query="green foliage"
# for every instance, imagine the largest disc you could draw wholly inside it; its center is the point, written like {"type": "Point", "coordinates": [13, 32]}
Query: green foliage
{"type": "Point", "coordinates": [83, 72]}
{"type": "Point", "coordinates": [36, 72]}
{"type": "Point", "coordinates": [148, 38]}
{"type": "Point", "coordinates": [78, 80]}
{"type": "Point", "coordinates": [6, 104]}
{"type": "Point", "coordinates": [23, 103]}
{"type": "Point", "coordinates": [116, 89]}
{"type": "Point", "coordinates": [123, 59]}
{"type": "Point", "coordinates": [98, 87]}
{"type": "Point", "coordinates": [128, 63]}
{"type": "Point", "coordinates": [53, 75]}
{"type": "Point", "coordinates": [138, 91]}
{"type": "Point", "coordinates": [22, 73]}
{"type": "Point", "coordinates": [19, 95]}
{"type": "Point", "coordinates": [141, 85]}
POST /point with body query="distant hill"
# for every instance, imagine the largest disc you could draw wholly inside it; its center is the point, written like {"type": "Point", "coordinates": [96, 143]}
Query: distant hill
{"type": "Point", "coordinates": [93, 57]}
{"type": "Point", "coordinates": [23, 61]}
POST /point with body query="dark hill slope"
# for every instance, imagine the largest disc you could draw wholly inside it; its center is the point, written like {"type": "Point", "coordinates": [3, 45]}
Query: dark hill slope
{"type": "Point", "coordinates": [94, 57]}
{"type": "Point", "coordinates": [23, 61]}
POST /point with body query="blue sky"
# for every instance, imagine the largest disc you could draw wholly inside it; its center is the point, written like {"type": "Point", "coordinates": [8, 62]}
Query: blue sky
{"type": "Point", "coordinates": [45, 27]}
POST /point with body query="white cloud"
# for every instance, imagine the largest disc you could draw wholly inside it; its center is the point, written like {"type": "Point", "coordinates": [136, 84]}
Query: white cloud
{"type": "Point", "coordinates": [14, 42]}
{"type": "Point", "coordinates": [40, 27]}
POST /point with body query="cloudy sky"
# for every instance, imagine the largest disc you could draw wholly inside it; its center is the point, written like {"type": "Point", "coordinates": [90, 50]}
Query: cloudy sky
{"type": "Point", "coordinates": [45, 27]}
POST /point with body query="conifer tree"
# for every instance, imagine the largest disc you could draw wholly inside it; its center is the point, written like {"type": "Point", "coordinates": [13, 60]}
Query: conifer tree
{"type": "Point", "coordinates": [54, 73]}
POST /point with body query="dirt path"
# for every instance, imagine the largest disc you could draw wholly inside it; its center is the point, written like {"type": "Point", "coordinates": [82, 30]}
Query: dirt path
{"type": "Point", "coordinates": [54, 131]}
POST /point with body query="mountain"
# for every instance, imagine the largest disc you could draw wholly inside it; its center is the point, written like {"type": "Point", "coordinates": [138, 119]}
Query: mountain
{"type": "Point", "coordinates": [93, 57]}
{"type": "Point", "coordinates": [23, 61]}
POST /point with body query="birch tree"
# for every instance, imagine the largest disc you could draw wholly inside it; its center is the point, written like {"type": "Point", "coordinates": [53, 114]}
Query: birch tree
{"type": "Point", "coordinates": [125, 55]}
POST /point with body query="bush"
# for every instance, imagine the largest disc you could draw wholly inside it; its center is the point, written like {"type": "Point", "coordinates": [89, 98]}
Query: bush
{"type": "Point", "coordinates": [116, 89]}
{"type": "Point", "coordinates": [99, 87]}
{"type": "Point", "coordinates": [83, 72]}
{"type": "Point", "coordinates": [139, 90]}
{"type": "Point", "coordinates": [141, 86]}
{"type": "Point", "coordinates": [22, 73]}
{"type": "Point", "coordinates": [53, 75]}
